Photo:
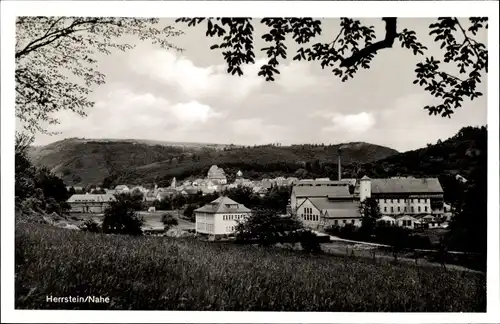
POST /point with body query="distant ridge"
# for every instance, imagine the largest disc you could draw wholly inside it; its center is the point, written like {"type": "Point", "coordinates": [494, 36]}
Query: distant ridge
{"type": "Point", "coordinates": [89, 161]}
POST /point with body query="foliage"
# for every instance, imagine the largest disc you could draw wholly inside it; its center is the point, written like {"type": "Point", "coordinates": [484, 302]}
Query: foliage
{"type": "Point", "coordinates": [185, 274]}
{"type": "Point", "coordinates": [309, 241]}
{"type": "Point", "coordinates": [121, 216]}
{"type": "Point", "coordinates": [37, 188]}
{"type": "Point", "coordinates": [189, 212]}
{"type": "Point", "coordinates": [355, 47]}
{"type": "Point", "coordinates": [468, 229]}
{"type": "Point", "coordinates": [91, 225]}
{"type": "Point", "coordinates": [370, 213]}
{"type": "Point", "coordinates": [266, 227]}
{"type": "Point", "coordinates": [117, 162]}
{"type": "Point", "coordinates": [56, 61]}
{"type": "Point", "coordinates": [169, 221]}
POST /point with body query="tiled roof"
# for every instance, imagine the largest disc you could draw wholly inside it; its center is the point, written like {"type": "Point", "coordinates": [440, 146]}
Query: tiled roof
{"type": "Point", "coordinates": [406, 185]}
{"type": "Point", "coordinates": [344, 209]}
{"type": "Point", "coordinates": [324, 204]}
{"type": "Point", "coordinates": [223, 205]}
{"type": "Point", "coordinates": [322, 191]}
{"type": "Point", "coordinates": [91, 198]}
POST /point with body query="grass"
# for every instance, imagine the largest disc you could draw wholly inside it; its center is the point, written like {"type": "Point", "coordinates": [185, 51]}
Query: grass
{"type": "Point", "coordinates": [185, 274]}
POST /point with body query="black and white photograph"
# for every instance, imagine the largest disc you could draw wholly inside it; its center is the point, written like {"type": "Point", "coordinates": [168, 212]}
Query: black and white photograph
{"type": "Point", "coordinates": [159, 157]}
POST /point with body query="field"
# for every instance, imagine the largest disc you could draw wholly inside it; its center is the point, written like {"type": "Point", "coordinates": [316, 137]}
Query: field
{"type": "Point", "coordinates": [185, 274]}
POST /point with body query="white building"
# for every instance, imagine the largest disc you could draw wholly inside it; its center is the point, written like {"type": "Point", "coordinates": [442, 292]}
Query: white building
{"type": "Point", "coordinates": [90, 203]}
{"type": "Point", "coordinates": [322, 206]}
{"type": "Point", "coordinates": [397, 197]}
{"type": "Point", "coordinates": [220, 217]}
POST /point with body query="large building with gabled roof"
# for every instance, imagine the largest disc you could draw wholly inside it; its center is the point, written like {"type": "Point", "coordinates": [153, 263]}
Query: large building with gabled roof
{"type": "Point", "coordinates": [325, 205]}
{"type": "Point", "coordinates": [220, 216]}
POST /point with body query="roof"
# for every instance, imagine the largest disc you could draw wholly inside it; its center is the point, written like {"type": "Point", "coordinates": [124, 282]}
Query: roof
{"type": "Point", "coordinates": [223, 205]}
{"type": "Point", "coordinates": [91, 198]}
{"type": "Point", "coordinates": [344, 209]}
{"type": "Point", "coordinates": [386, 218]}
{"type": "Point", "coordinates": [121, 187]}
{"type": "Point", "coordinates": [322, 191]}
{"type": "Point", "coordinates": [406, 185]}
{"type": "Point", "coordinates": [324, 203]}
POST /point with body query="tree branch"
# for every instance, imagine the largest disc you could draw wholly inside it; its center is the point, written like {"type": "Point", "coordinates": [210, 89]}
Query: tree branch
{"type": "Point", "coordinates": [387, 42]}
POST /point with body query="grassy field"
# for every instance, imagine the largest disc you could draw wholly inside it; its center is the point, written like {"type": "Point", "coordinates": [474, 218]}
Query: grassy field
{"type": "Point", "coordinates": [186, 274]}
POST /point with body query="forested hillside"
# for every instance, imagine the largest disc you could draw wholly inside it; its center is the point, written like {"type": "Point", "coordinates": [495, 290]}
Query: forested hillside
{"type": "Point", "coordinates": [86, 162]}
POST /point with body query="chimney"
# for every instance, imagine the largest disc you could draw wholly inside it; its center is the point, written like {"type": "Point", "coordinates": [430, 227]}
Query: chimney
{"type": "Point", "coordinates": [339, 165]}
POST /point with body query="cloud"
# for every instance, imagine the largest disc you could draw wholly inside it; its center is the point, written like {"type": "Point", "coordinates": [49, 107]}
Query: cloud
{"type": "Point", "coordinates": [297, 76]}
{"type": "Point", "coordinates": [197, 82]}
{"type": "Point", "coordinates": [256, 131]}
{"type": "Point", "coordinates": [125, 114]}
{"type": "Point", "coordinates": [356, 123]}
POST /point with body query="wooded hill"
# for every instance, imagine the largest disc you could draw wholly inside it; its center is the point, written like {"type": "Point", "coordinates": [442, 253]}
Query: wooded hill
{"type": "Point", "coordinates": [83, 162]}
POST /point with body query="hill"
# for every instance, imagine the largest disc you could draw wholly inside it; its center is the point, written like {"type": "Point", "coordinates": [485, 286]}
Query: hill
{"type": "Point", "coordinates": [463, 154]}
{"type": "Point", "coordinates": [80, 161]}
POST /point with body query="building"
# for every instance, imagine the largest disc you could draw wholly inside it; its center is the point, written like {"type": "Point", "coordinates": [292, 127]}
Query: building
{"type": "Point", "coordinates": [321, 183]}
{"type": "Point", "coordinates": [321, 206]}
{"type": "Point", "coordinates": [220, 217]}
{"type": "Point", "coordinates": [216, 175]}
{"type": "Point", "coordinates": [404, 202]}
{"type": "Point", "coordinates": [404, 196]}
{"type": "Point", "coordinates": [122, 189]}
{"type": "Point", "coordinates": [90, 203]}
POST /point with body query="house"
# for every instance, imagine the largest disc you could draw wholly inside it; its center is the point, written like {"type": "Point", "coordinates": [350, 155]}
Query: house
{"type": "Point", "coordinates": [404, 196]}
{"type": "Point", "coordinates": [165, 194]}
{"type": "Point", "coordinates": [407, 221]}
{"type": "Point", "coordinates": [216, 175]}
{"type": "Point", "coordinates": [122, 189]}
{"type": "Point", "coordinates": [387, 220]}
{"type": "Point", "coordinates": [239, 174]}
{"type": "Point", "coordinates": [220, 216]}
{"type": "Point", "coordinates": [90, 203]}
{"type": "Point", "coordinates": [322, 206]}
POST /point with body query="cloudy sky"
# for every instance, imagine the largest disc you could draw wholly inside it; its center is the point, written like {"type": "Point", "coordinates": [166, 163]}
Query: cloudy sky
{"type": "Point", "coordinates": [152, 93]}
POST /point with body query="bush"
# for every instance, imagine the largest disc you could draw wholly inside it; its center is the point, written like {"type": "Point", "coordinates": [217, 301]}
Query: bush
{"type": "Point", "coordinates": [189, 212]}
{"type": "Point", "coordinates": [121, 217]}
{"type": "Point", "coordinates": [91, 225]}
{"type": "Point", "coordinates": [309, 242]}
{"type": "Point", "coordinates": [168, 221]}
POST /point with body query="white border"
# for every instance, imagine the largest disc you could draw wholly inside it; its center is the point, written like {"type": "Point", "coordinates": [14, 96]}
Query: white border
{"type": "Point", "coordinates": [10, 9]}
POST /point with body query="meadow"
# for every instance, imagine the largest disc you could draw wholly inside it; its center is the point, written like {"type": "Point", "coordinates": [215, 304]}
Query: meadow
{"type": "Point", "coordinates": [163, 273]}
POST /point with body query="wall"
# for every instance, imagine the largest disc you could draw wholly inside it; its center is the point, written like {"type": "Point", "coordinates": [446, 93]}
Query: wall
{"type": "Point", "coordinates": [311, 220]}
{"type": "Point", "coordinates": [225, 223]}
{"type": "Point", "coordinates": [386, 204]}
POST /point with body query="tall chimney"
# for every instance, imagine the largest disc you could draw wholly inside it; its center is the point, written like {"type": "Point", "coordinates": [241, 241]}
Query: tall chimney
{"type": "Point", "coordinates": [339, 165]}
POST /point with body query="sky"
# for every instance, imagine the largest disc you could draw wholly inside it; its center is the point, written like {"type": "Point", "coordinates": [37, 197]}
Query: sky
{"type": "Point", "coordinates": [157, 94]}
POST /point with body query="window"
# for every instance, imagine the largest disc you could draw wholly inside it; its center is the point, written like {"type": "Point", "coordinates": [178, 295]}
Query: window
{"type": "Point", "coordinates": [409, 223]}
{"type": "Point", "coordinates": [405, 209]}
{"type": "Point", "coordinates": [426, 208]}
{"type": "Point", "coordinates": [336, 222]}
{"type": "Point", "coordinates": [399, 209]}
{"type": "Point", "coordinates": [419, 209]}
{"type": "Point", "coordinates": [412, 209]}
{"type": "Point", "coordinates": [385, 209]}
{"type": "Point", "coordinates": [345, 222]}
{"type": "Point", "coordinates": [392, 209]}
{"type": "Point", "coordinates": [352, 221]}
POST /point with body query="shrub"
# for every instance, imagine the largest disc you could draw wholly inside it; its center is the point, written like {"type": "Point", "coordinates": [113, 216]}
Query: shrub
{"type": "Point", "coordinates": [91, 225]}
{"type": "Point", "coordinates": [309, 242]}
{"type": "Point", "coordinates": [121, 217]}
{"type": "Point", "coordinates": [189, 212]}
{"type": "Point", "coordinates": [168, 221]}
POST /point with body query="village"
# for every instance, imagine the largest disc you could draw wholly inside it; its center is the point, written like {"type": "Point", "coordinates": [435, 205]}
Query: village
{"type": "Point", "coordinates": [321, 203]}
